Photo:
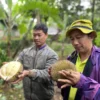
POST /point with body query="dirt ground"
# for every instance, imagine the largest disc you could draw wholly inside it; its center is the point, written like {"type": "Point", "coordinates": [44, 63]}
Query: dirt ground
{"type": "Point", "coordinates": [17, 93]}
{"type": "Point", "coordinates": [57, 95]}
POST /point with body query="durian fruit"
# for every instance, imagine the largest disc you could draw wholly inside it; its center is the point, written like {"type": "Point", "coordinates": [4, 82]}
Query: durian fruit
{"type": "Point", "coordinates": [61, 65]}
{"type": "Point", "coordinates": [9, 71]}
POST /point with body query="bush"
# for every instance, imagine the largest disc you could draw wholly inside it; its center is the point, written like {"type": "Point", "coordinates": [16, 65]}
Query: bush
{"type": "Point", "coordinates": [3, 56]}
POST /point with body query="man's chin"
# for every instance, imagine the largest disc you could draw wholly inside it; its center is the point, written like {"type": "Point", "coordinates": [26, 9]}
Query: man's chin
{"type": "Point", "coordinates": [79, 50]}
{"type": "Point", "coordinates": [38, 45]}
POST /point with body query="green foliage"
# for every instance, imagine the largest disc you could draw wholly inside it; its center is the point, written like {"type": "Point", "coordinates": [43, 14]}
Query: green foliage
{"type": "Point", "coordinates": [2, 97]}
{"type": "Point", "coordinates": [59, 48]}
{"type": "Point", "coordinates": [2, 13]}
{"type": "Point", "coordinates": [97, 40]}
{"type": "Point", "coordinates": [9, 3]}
{"type": "Point", "coordinates": [3, 45]}
{"type": "Point", "coordinates": [3, 56]}
{"type": "Point", "coordinates": [22, 28]}
{"type": "Point", "coordinates": [43, 9]}
{"type": "Point", "coordinates": [11, 92]}
{"type": "Point", "coordinates": [62, 37]}
{"type": "Point", "coordinates": [3, 49]}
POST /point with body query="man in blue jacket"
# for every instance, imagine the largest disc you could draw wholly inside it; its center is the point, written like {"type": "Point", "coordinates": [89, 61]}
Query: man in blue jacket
{"type": "Point", "coordinates": [84, 84]}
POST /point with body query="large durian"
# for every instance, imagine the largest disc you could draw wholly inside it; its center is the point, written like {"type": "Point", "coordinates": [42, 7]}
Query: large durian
{"type": "Point", "coordinates": [61, 65]}
{"type": "Point", "coordinates": [9, 71]}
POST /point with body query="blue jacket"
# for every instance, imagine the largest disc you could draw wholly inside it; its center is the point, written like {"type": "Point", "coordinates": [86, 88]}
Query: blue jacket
{"type": "Point", "coordinates": [89, 83]}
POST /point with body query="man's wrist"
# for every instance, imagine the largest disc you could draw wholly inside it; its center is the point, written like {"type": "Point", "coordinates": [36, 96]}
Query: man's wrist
{"type": "Point", "coordinates": [32, 73]}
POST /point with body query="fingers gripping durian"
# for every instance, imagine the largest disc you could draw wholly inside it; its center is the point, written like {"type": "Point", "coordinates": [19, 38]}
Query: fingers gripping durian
{"type": "Point", "coordinates": [61, 65]}
{"type": "Point", "coordinates": [10, 71]}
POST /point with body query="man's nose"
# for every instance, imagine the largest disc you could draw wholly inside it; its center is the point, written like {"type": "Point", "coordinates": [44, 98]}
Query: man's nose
{"type": "Point", "coordinates": [75, 41]}
{"type": "Point", "coordinates": [36, 37]}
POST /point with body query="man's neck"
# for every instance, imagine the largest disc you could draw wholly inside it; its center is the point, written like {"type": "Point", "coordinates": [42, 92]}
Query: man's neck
{"type": "Point", "coordinates": [41, 47]}
{"type": "Point", "coordinates": [85, 55]}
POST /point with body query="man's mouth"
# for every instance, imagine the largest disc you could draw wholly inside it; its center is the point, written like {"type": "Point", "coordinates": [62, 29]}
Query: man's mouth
{"type": "Point", "coordinates": [36, 41]}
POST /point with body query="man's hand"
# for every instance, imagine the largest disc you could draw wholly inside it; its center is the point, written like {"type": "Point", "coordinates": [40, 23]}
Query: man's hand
{"type": "Point", "coordinates": [21, 76]}
{"type": "Point", "coordinates": [4, 63]}
{"type": "Point", "coordinates": [71, 78]}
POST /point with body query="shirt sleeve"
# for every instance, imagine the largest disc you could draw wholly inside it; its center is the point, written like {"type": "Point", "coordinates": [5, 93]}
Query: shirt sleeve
{"type": "Point", "coordinates": [90, 88]}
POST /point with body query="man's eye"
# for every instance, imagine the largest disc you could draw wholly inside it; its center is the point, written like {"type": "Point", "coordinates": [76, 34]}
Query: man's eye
{"type": "Point", "coordinates": [39, 35]}
{"type": "Point", "coordinates": [71, 39]}
{"type": "Point", "coordinates": [79, 37]}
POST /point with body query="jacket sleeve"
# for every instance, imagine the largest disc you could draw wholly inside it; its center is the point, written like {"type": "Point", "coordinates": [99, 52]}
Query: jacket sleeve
{"type": "Point", "coordinates": [43, 75]}
{"type": "Point", "coordinates": [90, 88]}
{"type": "Point", "coordinates": [97, 96]}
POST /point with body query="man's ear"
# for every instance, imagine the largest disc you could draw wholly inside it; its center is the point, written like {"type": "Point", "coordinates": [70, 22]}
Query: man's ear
{"type": "Point", "coordinates": [46, 35]}
{"type": "Point", "coordinates": [91, 35]}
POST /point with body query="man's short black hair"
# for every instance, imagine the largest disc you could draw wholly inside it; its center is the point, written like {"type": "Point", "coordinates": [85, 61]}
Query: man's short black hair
{"type": "Point", "coordinates": [42, 27]}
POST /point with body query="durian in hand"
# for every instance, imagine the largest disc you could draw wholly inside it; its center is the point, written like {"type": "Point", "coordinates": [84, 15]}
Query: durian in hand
{"type": "Point", "coordinates": [61, 65]}
{"type": "Point", "coordinates": [9, 72]}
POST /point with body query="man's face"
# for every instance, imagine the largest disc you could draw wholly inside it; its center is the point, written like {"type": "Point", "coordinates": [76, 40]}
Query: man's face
{"type": "Point", "coordinates": [39, 37]}
{"type": "Point", "coordinates": [81, 42]}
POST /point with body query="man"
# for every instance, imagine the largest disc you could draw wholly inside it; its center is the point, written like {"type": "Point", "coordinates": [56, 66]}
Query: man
{"type": "Point", "coordinates": [36, 61]}
{"type": "Point", "coordinates": [85, 81]}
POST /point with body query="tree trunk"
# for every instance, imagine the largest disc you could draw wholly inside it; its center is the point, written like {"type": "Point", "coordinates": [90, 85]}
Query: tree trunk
{"type": "Point", "coordinates": [93, 8]}
{"type": "Point", "coordinates": [23, 39]}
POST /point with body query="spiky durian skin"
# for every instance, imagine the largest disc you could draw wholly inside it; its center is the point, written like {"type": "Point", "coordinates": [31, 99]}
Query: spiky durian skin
{"type": "Point", "coordinates": [10, 71]}
{"type": "Point", "coordinates": [61, 65]}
